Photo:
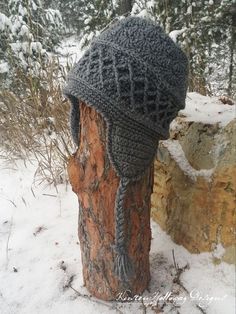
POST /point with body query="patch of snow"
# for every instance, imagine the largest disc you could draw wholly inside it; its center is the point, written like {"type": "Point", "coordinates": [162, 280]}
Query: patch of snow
{"type": "Point", "coordinates": [208, 110]}
{"type": "Point", "coordinates": [36, 46]}
{"type": "Point", "coordinates": [174, 34]}
{"type": "Point", "coordinates": [4, 67]}
{"type": "Point", "coordinates": [189, 10]}
{"type": "Point", "coordinates": [16, 47]}
{"type": "Point", "coordinates": [53, 16]}
{"type": "Point", "coordinates": [150, 4]}
{"type": "Point", "coordinates": [17, 24]}
{"type": "Point", "coordinates": [34, 6]}
{"type": "Point", "coordinates": [4, 22]}
{"type": "Point", "coordinates": [22, 10]}
{"type": "Point", "coordinates": [175, 126]}
{"type": "Point", "coordinates": [90, 36]}
{"type": "Point", "coordinates": [219, 251]}
{"type": "Point", "coordinates": [39, 253]}
{"type": "Point", "coordinates": [144, 13]}
{"type": "Point", "coordinates": [70, 50]}
{"type": "Point", "coordinates": [176, 151]}
{"type": "Point", "coordinates": [135, 9]}
{"type": "Point", "coordinates": [87, 20]}
{"type": "Point", "coordinates": [24, 30]}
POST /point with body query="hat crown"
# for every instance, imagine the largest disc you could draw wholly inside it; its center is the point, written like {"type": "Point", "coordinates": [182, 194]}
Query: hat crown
{"type": "Point", "coordinates": [148, 41]}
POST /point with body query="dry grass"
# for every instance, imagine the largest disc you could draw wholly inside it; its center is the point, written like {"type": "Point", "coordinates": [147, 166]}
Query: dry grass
{"type": "Point", "coordinates": [34, 124]}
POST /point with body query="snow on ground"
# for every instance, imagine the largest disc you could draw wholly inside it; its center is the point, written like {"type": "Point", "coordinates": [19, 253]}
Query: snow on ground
{"type": "Point", "coordinates": [208, 110]}
{"type": "Point", "coordinates": [40, 253]}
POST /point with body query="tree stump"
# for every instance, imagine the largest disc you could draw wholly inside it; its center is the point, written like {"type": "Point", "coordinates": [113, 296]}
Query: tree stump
{"type": "Point", "coordinates": [95, 182]}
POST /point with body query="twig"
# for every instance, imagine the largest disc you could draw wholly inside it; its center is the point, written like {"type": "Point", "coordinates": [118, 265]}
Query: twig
{"type": "Point", "coordinates": [68, 285]}
{"type": "Point", "coordinates": [144, 307]}
{"type": "Point", "coordinates": [32, 192]}
{"type": "Point", "coordinates": [179, 271]}
{"type": "Point", "coordinates": [177, 280]}
{"type": "Point", "coordinates": [173, 255]}
{"type": "Point", "coordinates": [24, 201]}
{"type": "Point", "coordinates": [11, 202]}
{"type": "Point", "coordinates": [86, 296]}
{"type": "Point", "coordinates": [201, 309]}
{"type": "Point", "coordinates": [89, 297]}
{"type": "Point", "coordinates": [182, 286]}
{"type": "Point", "coordinates": [45, 194]}
{"type": "Point", "coordinates": [7, 244]}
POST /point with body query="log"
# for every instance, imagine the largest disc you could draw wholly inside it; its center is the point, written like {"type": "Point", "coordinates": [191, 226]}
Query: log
{"type": "Point", "coordinates": [95, 182]}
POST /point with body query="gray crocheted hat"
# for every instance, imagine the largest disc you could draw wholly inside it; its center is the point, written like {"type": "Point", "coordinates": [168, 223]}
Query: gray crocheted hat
{"type": "Point", "coordinates": [136, 77]}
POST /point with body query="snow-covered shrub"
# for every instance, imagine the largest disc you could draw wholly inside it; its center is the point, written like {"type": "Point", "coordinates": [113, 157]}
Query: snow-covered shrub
{"type": "Point", "coordinates": [27, 34]}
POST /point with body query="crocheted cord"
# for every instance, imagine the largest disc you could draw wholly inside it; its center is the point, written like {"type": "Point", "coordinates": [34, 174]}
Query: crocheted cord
{"type": "Point", "coordinates": [123, 267]}
{"type": "Point", "coordinates": [74, 119]}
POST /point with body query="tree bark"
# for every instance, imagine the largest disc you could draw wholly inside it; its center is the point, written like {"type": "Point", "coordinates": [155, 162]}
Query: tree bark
{"type": "Point", "coordinates": [95, 182]}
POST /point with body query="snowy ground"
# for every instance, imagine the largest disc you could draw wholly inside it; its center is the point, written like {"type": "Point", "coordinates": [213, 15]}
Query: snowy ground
{"type": "Point", "coordinates": [40, 261]}
{"type": "Point", "coordinates": [208, 110]}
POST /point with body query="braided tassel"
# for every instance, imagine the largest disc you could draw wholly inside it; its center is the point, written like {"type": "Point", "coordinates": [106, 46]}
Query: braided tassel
{"type": "Point", "coordinates": [123, 267]}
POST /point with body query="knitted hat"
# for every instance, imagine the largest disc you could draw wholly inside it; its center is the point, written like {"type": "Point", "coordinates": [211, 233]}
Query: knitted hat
{"type": "Point", "coordinates": [136, 77]}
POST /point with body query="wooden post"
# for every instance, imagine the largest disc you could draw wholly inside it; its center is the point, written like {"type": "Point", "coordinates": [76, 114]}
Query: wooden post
{"type": "Point", "coordinates": [95, 182]}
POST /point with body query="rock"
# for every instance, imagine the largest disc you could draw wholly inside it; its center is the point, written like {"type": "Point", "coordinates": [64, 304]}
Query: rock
{"type": "Point", "coordinates": [194, 197]}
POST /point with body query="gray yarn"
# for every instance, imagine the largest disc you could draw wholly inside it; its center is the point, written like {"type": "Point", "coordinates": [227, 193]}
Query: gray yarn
{"type": "Point", "coordinates": [122, 267]}
{"type": "Point", "coordinates": [136, 77]}
{"type": "Point", "coordinates": [75, 119]}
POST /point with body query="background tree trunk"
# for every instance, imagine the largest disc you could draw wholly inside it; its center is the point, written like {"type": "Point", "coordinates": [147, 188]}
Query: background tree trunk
{"type": "Point", "coordinates": [95, 182]}
{"type": "Point", "coordinates": [232, 51]}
